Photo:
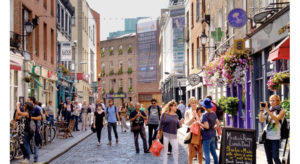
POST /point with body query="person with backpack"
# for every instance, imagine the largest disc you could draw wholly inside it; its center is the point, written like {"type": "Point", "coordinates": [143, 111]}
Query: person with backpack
{"type": "Point", "coordinates": [113, 117]}
{"type": "Point", "coordinates": [209, 124]}
{"type": "Point", "coordinates": [154, 113]}
{"type": "Point", "coordinates": [32, 115]}
{"type": "Point", "coordinates": [274, 118]}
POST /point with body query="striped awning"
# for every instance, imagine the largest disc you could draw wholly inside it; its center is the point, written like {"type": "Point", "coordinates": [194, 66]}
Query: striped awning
{"type": "Point", "coordinates": [15, 66]}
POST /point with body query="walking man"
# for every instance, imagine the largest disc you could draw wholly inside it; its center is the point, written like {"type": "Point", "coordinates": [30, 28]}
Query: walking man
{"type": "Point", "coordinates": [181, 107]}
{"type": "Point", "coordinates": [154, 112]}
{"type": "Point", "coordinates": [112, 119]}
{"type": "Point", "coordinates": [137, 119]}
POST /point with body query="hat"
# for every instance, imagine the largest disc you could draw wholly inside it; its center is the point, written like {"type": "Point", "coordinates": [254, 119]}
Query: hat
{"type": "Point", "coordinates": [206, 103]}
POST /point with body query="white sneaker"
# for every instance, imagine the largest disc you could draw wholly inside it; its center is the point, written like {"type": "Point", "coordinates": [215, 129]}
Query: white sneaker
{"type": "Point", "coordinates": [24, 161]}
{"type": "Point", "coordinates": [98, 144]}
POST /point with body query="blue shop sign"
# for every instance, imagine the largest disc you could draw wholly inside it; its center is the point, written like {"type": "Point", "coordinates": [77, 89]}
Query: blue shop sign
{"type": "Point", "coordinates": [237, 18]}
{"type": "Point", "coordinates": [115, 95]}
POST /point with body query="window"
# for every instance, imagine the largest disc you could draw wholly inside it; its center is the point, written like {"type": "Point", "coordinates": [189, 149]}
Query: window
{"type": "Point", "coordinates": [66, 24]}
{"type": "Point", "coordinates": [103, 84]}
{"type": "Point", "coordinates": [45, 4]}
{"type": "Point", "coordinates": [130, 63]}
{"type": "Point", "coordinates": [52, 7]}
{"type": "Point", "coordinates": [203, 6]}
{"type": "Point", "coordinates": [121, 83]}
{"type": "Point", "coordinates": [102, 66]}
{"type": "Point", "coordinates": [203, 56]}
{"type": "Point", "coordinates": [130, 82]}
{"type": "Point", "coordinates": [187, 20]}
{"type": "Point", "coordinates": [37, 41]}
{"type": "Point", "coordinates": [111, 66]}
{"type": "Point", "coordinates": [192, 19]}
{"type": "Point", "coordinates": [94, 34]}
{"type": "Point", "coordinates": [120, 64]}
{"type": "Point", "coordinates": [58, 14]}
{"type": "Point", "coordinates": [45, 41]}
{"type": "Point", "coordinates": [192, 55]}
{"type": "Point", "coordinates": [112, 83]}
{"type": "Point", "coordinates": [220, 18]}
{"type": "Point", "coordinates": [70, 23]}
{"type": "Point", "coordinates": [198, 53]}
{"type": "Point", "coordinates": [198, 10]}
{"type": "Point", "coordinates": [52, 46]}
{"type": "Point", "coordinates": [62, 19]}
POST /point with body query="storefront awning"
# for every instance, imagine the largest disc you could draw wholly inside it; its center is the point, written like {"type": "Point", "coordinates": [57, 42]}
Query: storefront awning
{"type": "Point", "coordinates": [281, 51]}
{"type": "Point", "coordinates": [15, 66]}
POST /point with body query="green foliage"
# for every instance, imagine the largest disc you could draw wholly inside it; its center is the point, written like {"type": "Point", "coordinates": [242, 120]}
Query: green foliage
{"type": "Point", "coordinates": [102, 74]}
{"type": "Point", "coordinates": [102, 53]}
{"type": "Point", "coordinates": [103, 91]}
{"type": "Point", "coordinates": [129, 50]}
{"type": "Point", "coordinates": [229, 104]}
{"type": "Point", "coordinates": [286, 106]}
{"type": "Point", "coordinates": [64, 70]}
{"type": "Point", "coordinates": [120, 71]}
{"type": "Point", "coordinates": [129, 71]}
{"type": "Point", "coordinates": [111, 91]}
{"type": "Point", "coordinates": [111, 52]}
{"type": "Point", "coordinates": [111, 72]}
{"type": "Point", "coordinates": [130, 89]}
{"type": "Point", "coordinates": [120, 51]}
{"type": "Point", "coordinates": [120, 90]}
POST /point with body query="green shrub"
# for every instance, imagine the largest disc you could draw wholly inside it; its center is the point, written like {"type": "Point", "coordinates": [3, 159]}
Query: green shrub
{"type": "Point", "coordinates": [286, 106]}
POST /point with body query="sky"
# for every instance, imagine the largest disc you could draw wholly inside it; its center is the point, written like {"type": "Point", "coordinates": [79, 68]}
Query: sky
{"type": "Point", "coordinates": [113, 12]}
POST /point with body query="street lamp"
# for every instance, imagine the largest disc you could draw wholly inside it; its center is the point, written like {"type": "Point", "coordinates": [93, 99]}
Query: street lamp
{"type": "Point", "coordinates": [28, 26]}
{"type": "Point", "coordinates": [203, 38]}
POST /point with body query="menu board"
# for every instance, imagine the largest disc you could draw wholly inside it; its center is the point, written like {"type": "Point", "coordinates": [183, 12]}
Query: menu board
{"type": "Point", "coordinates": [238, 146]}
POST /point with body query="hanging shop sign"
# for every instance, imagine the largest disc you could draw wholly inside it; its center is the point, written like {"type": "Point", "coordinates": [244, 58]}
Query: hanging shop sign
{"type": "Point", "coordinates": [66, 51]}
{"type": "Point", "coordinates": [194, 79]}
{"type": "Point", "coordinates": [36, 70]}
{"type": "Point", "coordinates": [237, 18]}
{"type": "Point", "coordinates": [115, 95]}
{"type": "Point", "coordinates": [239, 45]}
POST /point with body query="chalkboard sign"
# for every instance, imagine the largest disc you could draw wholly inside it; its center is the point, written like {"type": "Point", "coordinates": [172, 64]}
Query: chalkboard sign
{"type": "Point", "coordinates": [238, 146]}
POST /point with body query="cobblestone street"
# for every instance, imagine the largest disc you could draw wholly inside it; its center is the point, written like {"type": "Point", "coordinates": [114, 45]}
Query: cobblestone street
{"type": "Point", "coordinates": [87, 152]}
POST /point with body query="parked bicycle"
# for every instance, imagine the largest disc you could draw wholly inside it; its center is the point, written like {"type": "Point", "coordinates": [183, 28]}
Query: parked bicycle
{"type": "Point", "coordinates": [47, 132]}
{"type": "Point", "coordinates": [15, 148]}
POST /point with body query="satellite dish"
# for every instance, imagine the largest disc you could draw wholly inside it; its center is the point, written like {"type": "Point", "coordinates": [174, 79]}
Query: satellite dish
{"type": "Point", "coordinates": [260, 16]}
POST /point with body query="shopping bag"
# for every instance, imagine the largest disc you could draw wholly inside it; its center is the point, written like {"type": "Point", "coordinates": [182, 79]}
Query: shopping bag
{"type": "Point", "coordinates": [156, 148]}
{"type": "Point", "coordinates": [195, 129]}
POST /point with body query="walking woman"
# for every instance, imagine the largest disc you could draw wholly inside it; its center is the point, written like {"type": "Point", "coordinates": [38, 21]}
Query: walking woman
{"type": "Point", "coordinates": [273, 117]}
{"type": "Point", "coordinates": [210, 123]}
{"type": "Point", "coordinates": [98, 121]}
{"type": "Point", "coordinates": [123, 115]}
{"type": "Point", "coordinates": [84, 115]}
{"type": "Point", "coordinates": [193, 117]}
{"type": "Point", "coordinates": [169, 123]}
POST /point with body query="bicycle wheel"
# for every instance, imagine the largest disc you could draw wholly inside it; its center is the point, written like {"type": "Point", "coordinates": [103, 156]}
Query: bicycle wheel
{"type": "Point", "coordinates": [46, 135]}
{"type": "Point", "coordinates": [42, 136]}
{"type": "Point", "coordinates": [51, 134]}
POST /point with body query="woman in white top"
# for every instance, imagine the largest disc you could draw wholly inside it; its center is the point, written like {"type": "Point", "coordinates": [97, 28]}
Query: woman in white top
{"type": "Point", "coordinates": [272, 116]}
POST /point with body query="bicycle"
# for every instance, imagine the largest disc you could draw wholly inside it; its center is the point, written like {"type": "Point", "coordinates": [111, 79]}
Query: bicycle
{"type": "Point", "coordinates": [51, 132]}
{"type": "Point", "coordinates": [15, 147]}
{"type": "Point", "coordinates": [47, 132]}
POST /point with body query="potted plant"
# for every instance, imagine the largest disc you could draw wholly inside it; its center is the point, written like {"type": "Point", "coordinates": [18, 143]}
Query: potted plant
{"type": "Point", "coordinates": [231, 105]}
{"type": "Point", "coordinates": [120, 51]}
{"type": "Point", "coordinates": [129, 49]}
{"type": "Point", "coordinates": [111, 72]}
{"type": "Point", "coordinates": [102, 53]}
{"type": "Point", "coordinates": [120, 90]}
{"type": "Point", "coordinates": [279, 78]}
{"type": "Point", "coordinates": [111, 51]}
{"type": "Point", "coordinates": [129, 71]}
{"type": "Point", "coordinates": [103, 91]}
{"type": "Point", "coordinates": [120, 71]}
{"type": "Point", "coordinates": [111, 91]}
{"type": "Point", "coordinates": [64, 70]}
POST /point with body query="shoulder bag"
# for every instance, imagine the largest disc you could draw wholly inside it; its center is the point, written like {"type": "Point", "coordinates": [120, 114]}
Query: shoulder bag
{"type": "Point", "coordinates": [160, 132]}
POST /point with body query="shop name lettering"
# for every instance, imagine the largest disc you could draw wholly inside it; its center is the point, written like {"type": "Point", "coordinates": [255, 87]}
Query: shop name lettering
{"type": "Point", "coordinates": [66, 52]}
{"type": "Point", "coordinates": [117, 95]}
{"type": "Point", "coordinates": [283, 29]}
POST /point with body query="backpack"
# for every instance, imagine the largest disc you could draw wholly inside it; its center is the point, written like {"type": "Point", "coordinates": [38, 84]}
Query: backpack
{"type": "Point", "coordinates": [159, 109]}
{"type": "Point", "coordinates": [115, 112]}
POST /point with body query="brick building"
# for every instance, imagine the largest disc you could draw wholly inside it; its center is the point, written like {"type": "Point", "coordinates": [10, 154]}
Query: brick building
{"type": "Point", "coordinates": [118, 68]}
{"type": "Point", "coordinates": [39, 45]}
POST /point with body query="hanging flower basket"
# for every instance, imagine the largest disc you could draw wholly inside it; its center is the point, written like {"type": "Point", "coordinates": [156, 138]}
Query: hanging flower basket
{"type": "Point", "coordinates": [28, 79]}
{"type": "Point", "coordinates": [278, 79]}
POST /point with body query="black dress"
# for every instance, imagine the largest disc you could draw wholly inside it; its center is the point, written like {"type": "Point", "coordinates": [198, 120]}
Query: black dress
{"type": "Point", "coordinates": [99, 119]}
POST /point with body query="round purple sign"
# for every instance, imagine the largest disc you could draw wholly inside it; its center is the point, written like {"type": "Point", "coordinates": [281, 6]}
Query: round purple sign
{"type": "Point", "coordinates": [237, 18]}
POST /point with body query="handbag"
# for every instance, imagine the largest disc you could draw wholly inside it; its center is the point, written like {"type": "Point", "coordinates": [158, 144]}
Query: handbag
{"type": "Point", "coordinates": [160, 132]}
{"type": "Point", "coordinates": [195, 129]}
{"type": "Point", "coordinates": [135, 128]}
{"type": "Point", "coordinates": [156, 148]}
{"type": "Point", "coordinates": [188, 138]}
{"type": "Point", "coordinates": [93, 129]}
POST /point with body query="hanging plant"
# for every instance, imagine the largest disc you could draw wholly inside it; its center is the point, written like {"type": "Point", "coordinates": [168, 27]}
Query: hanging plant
{"type": "Point", "coordinates": [231, 105]}
{"type": "Point", "coordinates": [102, 74]}
{"type": "Point", "coordinates": [130, 89]}
{"type": "Point", "coordinates": [277, 79]}
{"type": "Point", "coordinates": [129, 71]}
{"type": "Point", "coordinates": [102, 53]}
{"type": "Point", "coordinates": [111, 72]}
{"type": "Point", "coordinates": [27, 79]}
{"type": "Point", "coordinates": [111, 91]}
{"type": "Point", "coordinates": [286, 106]}
{"type": "Point", "coordinates": [103, 91]}
{"type": "Point", "coordinates": [120, 71]}
{"type": "Point", "coordinates": [111, 51]}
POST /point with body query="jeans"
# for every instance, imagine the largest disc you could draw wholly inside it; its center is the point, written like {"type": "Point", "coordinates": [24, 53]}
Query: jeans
{"type": "Point", "coordinates": [174, 144]}
{"type": "Point", "coordinates": [272, 151]}
{"type": "Point", "coordinates": [114, 126]}
{"type": "Point", "coordinates": [51, 119]}
{"type": "Point", "coordinates": [151, 128]}
{"type": "Point", "coordinates": [80, 117]}
{"type": "Point", "coordinates": [76, 123]}
{"type": "Point", "coordinates": [68, 116]}
{"type": "Point", "coordinates": [136, 139]}
{"type": "Point", "coordinates": [209, 147]}
{"type": "Point", "coordinates": [27, 148]}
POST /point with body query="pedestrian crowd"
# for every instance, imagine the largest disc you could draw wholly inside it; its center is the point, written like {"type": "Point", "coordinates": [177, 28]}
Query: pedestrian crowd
{"type": "Point", "coordinates": [201, 117]}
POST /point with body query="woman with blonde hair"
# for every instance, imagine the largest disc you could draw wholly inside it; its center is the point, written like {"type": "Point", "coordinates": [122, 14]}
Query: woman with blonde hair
{"type": "Point", "coordinates": [273, 117]}
{"type": "Point", "coordinates": [193, 117]}
{"type": "Point", "coordinates": [169, 123]}
{"type": "Point", "coordinates": [84, 115]}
